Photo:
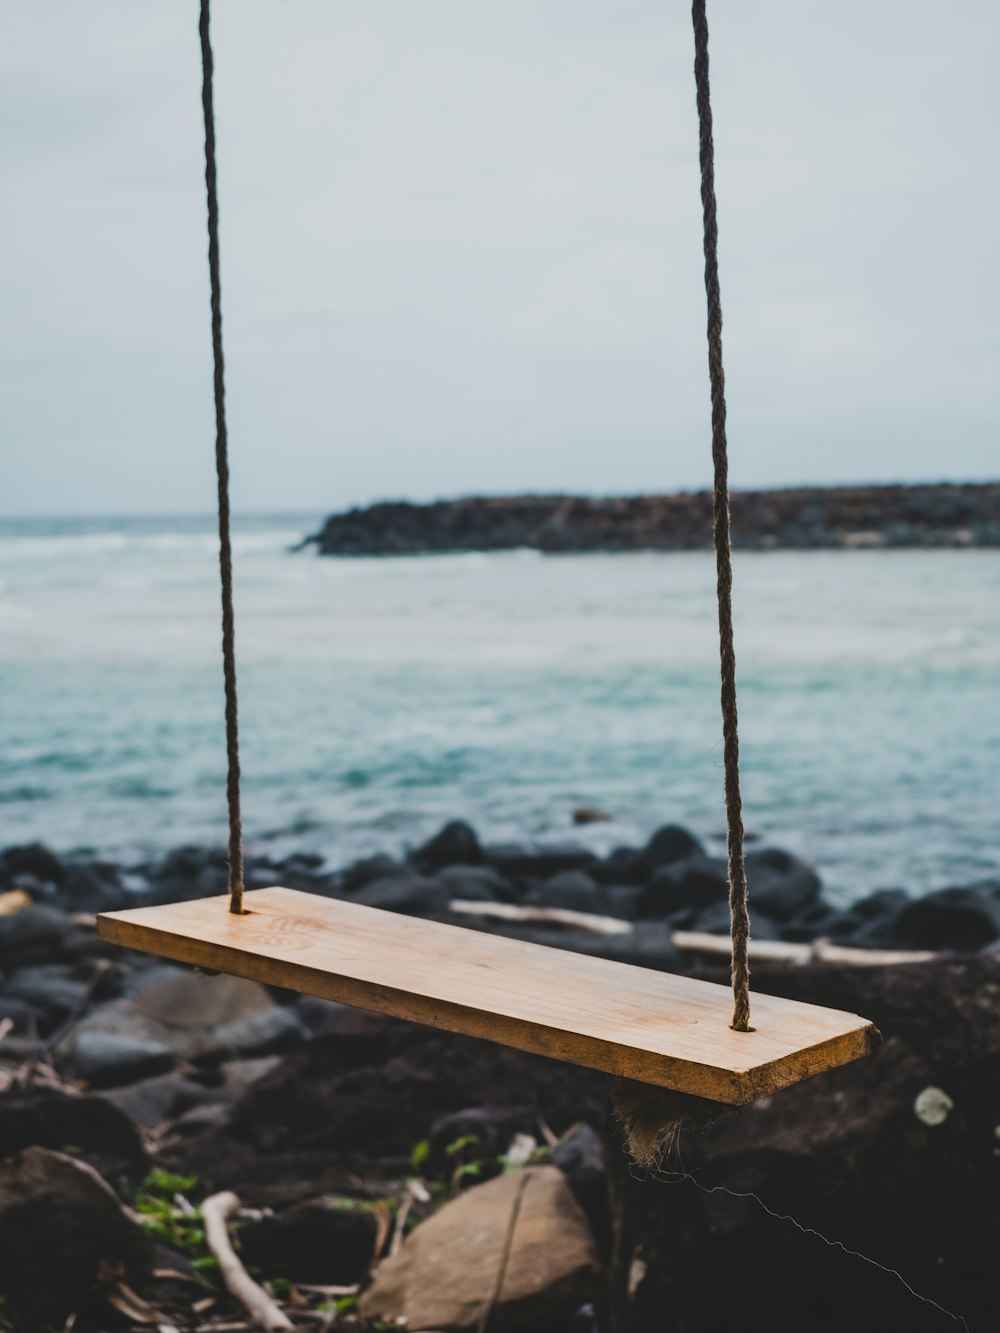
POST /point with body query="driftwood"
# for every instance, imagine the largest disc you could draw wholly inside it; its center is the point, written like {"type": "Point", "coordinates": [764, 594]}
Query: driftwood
{"type": "Point", "coordinates": [696, 941]}
{"type": "Point", "coordinates": [215, 1211]}
{"type": "Point", "coordinates": [551, 916]}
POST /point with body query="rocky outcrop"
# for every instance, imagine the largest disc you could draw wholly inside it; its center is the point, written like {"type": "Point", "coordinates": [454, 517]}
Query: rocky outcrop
{"type": "Point", "coordinates": [804, 518]}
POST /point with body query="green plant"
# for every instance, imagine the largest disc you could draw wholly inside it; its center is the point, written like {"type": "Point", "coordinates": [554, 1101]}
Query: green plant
{"type": "Point", "coordinates": [174, 1224]}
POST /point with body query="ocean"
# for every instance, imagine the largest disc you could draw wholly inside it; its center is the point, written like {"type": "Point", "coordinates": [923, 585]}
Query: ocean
{"type": "Point", "coordinates": [380, 697]}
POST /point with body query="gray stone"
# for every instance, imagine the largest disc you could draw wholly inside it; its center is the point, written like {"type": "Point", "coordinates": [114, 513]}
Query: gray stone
{"type": "Point", "coordinates": [446, 1272]}
{"type": "Point", "coordinates": [109, 1059]}
{"type": "Point", "coordinates": [155, 1100]}
{"type": "Point", "coordinates": [34, 935]}
{"type": "Point", "coordinates": [405, 893]}
{"type": "Point", "coordinates": [572, 889]}
{"type": "Point", "coordinates": [265, 1033]}
{"type": "Point", "coordinates": [193, 1000]}
{"type": "Point", "coordinates": [475, 883]}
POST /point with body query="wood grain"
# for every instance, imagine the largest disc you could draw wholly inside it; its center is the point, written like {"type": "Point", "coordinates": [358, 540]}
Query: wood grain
{"type": "Point", "coordinates": [631, 1021]}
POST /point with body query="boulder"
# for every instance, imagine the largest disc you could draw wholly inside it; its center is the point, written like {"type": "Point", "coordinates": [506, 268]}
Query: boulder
{"type": "Point", "coordinates": [476, 884]}
{"type": "Point", "coordinates": [573, 889]}
{"type": "Point", "coordinates": [446, 1274]}
{"type": "Point", "coordinates": [109, 1059]}
{"type": "Point", "coordinates": [963, 919]}
{"type": "Point", "coordinates": [455, 844]}
{"type": "Point", "coordinates": [152, 1101]}
{"type": "Point", "coordinates": [406, 893]}
{"type": "Point", "coordinates": [666, 847]}
{"type": "Point", "coordinates": [63, 1232]}
{"type": "Point", "coordinates": [268, 1032]}
{"type": "Point", "coordinates": [36, 860]}
{"type": "Point", "coordinates": [684, 887]}
{"type": "Point", "coordinates": [34, 935]}
{"type": "Point", "coordinates": [363, 872]}
{"type": "Point", "coordinates": [93, 886]}
{"type": "Point", "coordinates": [186, 1000]}
{"type": "Point", "coordinates": [99, 1133]}
{"type": "Point", "coordinates": [51, 989]}
{"type": "Point", "coordinates": [538, 862]}
{"type": "Point", "coordinates": [323, 1240]}
{"type": "Point", "coordinates": [579, 1155]}
{"type": "Point", "coordinates": [780, 885]}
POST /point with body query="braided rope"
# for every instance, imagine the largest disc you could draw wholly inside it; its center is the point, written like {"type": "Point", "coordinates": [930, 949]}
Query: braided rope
{"type": "Point", "coordinates": [222, 476]}
{"type": "Point", "coordinates": [739, 916]}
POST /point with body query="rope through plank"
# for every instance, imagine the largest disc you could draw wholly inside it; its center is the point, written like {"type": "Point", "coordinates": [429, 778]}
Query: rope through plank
{"type": "Point", "coordinates": [739, 916]}
{"type": "Point", "coordinates": [222, 476]}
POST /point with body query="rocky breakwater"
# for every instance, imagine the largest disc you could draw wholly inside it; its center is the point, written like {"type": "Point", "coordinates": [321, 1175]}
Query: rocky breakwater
{"type": "Point", "coordinates": [801, 519]}
{"type": "Point", "coordinates": [379, 1165]}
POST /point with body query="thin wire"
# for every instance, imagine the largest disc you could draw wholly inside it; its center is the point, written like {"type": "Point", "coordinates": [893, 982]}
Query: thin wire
{"type": "Point", "coordinates": [222, 476]}
{"type": "Point", "coordinates": [739, 916]}
{"type": "Point", "coordinates": [683, 1175]}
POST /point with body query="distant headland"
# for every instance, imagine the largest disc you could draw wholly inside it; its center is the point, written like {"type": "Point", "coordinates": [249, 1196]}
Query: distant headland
{"type": "Point", "coordinates": [806, 518]}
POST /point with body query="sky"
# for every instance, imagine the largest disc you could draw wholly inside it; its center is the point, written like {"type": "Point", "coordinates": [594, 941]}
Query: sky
{"type": "Point", "coordinates": [461, 248]}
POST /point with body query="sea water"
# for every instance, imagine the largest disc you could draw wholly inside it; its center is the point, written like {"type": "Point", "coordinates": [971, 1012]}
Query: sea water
{"type": "Point", "coordinates": [380, 697]}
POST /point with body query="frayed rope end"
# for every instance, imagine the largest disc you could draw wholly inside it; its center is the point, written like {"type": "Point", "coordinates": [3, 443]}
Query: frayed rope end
{"type": "Point", "coordinates": [652, 1119]}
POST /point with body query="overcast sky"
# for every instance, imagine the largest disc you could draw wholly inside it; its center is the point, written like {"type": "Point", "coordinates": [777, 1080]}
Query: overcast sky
{"type": "Point", "coordinates": [461, 247]}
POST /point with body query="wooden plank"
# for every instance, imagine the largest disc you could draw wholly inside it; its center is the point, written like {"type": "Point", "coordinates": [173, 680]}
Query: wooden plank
{"type": "Point", "coordinates": [631, 1021]}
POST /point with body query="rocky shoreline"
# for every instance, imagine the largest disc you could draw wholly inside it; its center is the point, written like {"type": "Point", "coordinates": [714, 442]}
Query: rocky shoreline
{"type": "Point", "coordinates": [364, 1149]}
{"type": "Point", "coordinates": [807, 518]}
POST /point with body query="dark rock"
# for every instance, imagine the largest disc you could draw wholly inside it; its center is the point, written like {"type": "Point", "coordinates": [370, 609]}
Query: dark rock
{"type": "Point", "coordinates": [623, 866]}
{"type": "Point", "coordinates": [531, 862]}
{"type": "Point", "coordinates": [321, 1241]}
{"type": "Point", "coordinates": [687, 885]}
{"type": "Point", "coordinates": [182, 999]}
{"type": "Point", "coordinates": [476, 884]}
{"type": "Point", "coordinates": [153, 1101]}
{"type": "Point", "coordinates": [23, 1015]}
{"type": "Point", "coordinates": [410, 893]}
{"type": "Point", "coordinates": [372, 868]}
{"type": "Point", "coordinates": [870, 922]}
{"type": "Point", "coordinates": [963, 919]}
{"type": "Point", "coordinates": [623, 900]}
{"type": "Point", "coordinates": [579, 1155]}
{"type": "Point", "coordinates": [51, 990]}
{"type": "Point", "coordinates": [668, 846]}
{"type": "Point", "coordinates": [34, 935]}
{"type": "Point", "coordinates": [590, 814]}
{"type": "Point", "coordinates": [109, 1059]}
{"type": "Point", "coordinates": [97, 1132]}
{"type": "Point", "coordinates": [34, 859]}
{"type": "Point", "coordinates": [93, 887]}
{"type": "Point", "coordinates": [270, 1031]}
{"type": "Point", "coordinates": [62, 1233]}
{"type": "Point", "coordinates": [780, 884]}
{"type": "Point", "coordinates": [715, 920]}
{"type": "Point", "coordinates": [572, 889]}
{"type": "Point", "coordinates": [455, 844]}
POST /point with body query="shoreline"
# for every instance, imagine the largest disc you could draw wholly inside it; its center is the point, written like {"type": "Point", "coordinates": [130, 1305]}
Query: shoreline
{"type": "Point", "coordinates": [344, 1134]}
{"type": "Point", "coordinates": [930, 516]}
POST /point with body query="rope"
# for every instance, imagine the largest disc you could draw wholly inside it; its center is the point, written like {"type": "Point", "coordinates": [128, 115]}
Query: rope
{"type": "Point", "coordinates": [739, 917]}
{"type": "Point", "coordinates": [222, 475]}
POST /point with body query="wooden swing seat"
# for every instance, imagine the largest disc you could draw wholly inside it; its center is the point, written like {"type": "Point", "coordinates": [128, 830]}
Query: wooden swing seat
{"type": "Point", "coordinates": [650, 1026]}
